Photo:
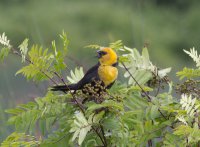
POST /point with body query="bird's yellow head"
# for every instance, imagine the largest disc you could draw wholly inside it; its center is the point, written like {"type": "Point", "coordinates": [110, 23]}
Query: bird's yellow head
{"type": "Point", "coordinates": [107, 56]}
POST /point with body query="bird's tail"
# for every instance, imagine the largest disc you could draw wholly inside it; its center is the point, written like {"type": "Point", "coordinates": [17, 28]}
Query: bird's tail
{"type": "Point", "coordinates": [64, 88]}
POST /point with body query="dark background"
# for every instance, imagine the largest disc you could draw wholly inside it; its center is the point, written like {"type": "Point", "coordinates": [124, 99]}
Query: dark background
{"type": "Point", "coordinates": [167, 26]}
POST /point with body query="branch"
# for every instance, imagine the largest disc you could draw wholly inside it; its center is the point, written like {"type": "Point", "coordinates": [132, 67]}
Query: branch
{"type": "Point", "coordinates": [82, 110]}
{"type": "Point", "coordinates": [103, 133]}
{"type": "Point", "coordinates": [102, 140]}
{"type": "Point", "coordinates": [146, 94]}
{"type": "Point", "coordinates": [17, 53]}
{"type": "Point", "coordinates": [53, 81]}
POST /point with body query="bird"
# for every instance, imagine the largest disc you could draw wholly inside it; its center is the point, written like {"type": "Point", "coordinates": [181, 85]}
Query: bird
{"type": "Point", "coordinates": [105, 72]}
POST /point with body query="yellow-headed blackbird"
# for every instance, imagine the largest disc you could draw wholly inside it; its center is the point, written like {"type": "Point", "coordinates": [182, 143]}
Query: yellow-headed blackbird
{"type": "Point", "coordinates": [105, 71]}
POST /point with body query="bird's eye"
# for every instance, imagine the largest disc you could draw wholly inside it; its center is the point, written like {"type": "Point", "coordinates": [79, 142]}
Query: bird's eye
{"type": "Point", "coordinates": [103, 53]}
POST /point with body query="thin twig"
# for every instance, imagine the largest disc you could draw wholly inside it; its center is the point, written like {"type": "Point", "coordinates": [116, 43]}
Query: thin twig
{"type": "Point", "coordinates": [60, 138]}
{"type": "Point", "coordinates": [102, 140]}
{"type": "Point", "coordinates": [17, 53]}
{"type": "Point", "coordinates": [103, 133]}
{"type": "Point", "coordinates": [149, 98]}
{"type": "Point", "coordinates": [158, 89]}
{"type": "Point", "coordinates": [150, 143]}
{"type": "Point", "coordinates": [82, 110]}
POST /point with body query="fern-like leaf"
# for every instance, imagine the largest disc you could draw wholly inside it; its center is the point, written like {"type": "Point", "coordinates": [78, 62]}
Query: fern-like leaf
{"type": "Point", "coordinates": [188, 104]}
{"type": "Point", "coordinates": [182, 119]}
{"type": "Point", "coordinates": [192, 134]}
{"type": "Point", "coordinates": [140, 66]}
{"type": "Point", "coordinates": [116, 45]}
{"type": "Point", "coordinates": [65, 40]}
{"type": "Point", "coordinates": [40, 64]}
{"type": "Point", "coordinates": [23, 47]}
{"type": "Point", "coordinates": [81, 126]}
{"type": "Point", "coordinates": [4, 53]}
{"type": "Point", "coordinates": [194, 55]}
{"type": "Point", "coordinates": [6, 46]}
{"type": "Point", "coordinates": [4, 41]}
{"type": "Point", "coordinates": [25, 116]}
{"type": "Point", "coordinates": [188, 73]}
{"type": "Point", "coordinates": [93, 46]}
{"type": "Point", "coordinates": [20, 139]}
{"type": "Point", "coordinates": [76, 76]}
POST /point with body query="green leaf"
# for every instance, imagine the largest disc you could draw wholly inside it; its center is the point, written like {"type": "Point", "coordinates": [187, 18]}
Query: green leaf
{"type": "Point", "coordinates": [188, 73]}
{"type": "Point", "coordinates": [139, 66]}
{"type": "Point", "coordinates": [23, 47]}
{"type": "Point", "coordinates": [98, 117]}
{"type": "Point", "coordinates": [111, 123]}
{"type": "Point", "coordinates": [116, 45]}
{"type": "Point", "coordinates": [194, 55]}
{"type": "Point", "coordinates": [4, 53]}
{"type": "Point", "coordinates": [80, 127]}
{"type": "Point", "coordinates": [60, 54]}
{"type": "Point", "coordinates": [76, 76]}
{"type": "Point", "coordinates": [93, 46]}
{"type": "Point", "coordinates": [189, 104]}
{"type": "Point", "coordinates": [137, 88]}
{"type": "Point", "coordinates": [163, 72]}
{"type": "Point", "coordinates": [82, 135]}
{"type": "Point", "coordinates": [171, 140]}
{"type": "Point", "coordinates": [20, 139]}
{"type": "Point", "coordinates": [4, 41]}
{"type": "Point", "coordinates": [107, 103]}
{"type": "Point", "coordinates": [65, 40]}
{"type": "Point", "coordinates": [40, 64]}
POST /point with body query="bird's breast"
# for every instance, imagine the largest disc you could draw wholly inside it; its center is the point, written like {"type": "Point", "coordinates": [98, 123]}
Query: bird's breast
{"type": "Point", "coordinates": [108, 74]}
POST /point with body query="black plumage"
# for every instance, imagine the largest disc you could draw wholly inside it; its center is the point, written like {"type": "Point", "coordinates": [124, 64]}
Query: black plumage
{"type": "Point", "coordinates": [103, 74]}
{"type": "Point", "coordinates": [91, 75]}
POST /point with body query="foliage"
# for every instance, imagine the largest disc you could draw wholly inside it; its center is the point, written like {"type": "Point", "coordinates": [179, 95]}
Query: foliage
{"type": "Point", "coordinates": [6, 46]}
{"type": "Point", "coordinates": [20, 139]}
{"type": "Point", "coordinates": [76, 75]}
{"type": "Point", "coordinates": [4, 41]}
{"type": "Point", "coordinates": [24, 49]}
{"type": "Point", "coordinates": [194, 55]}
{"type": "Point", "coordinates": [140, 66]}
{"type": "Point", "coordinates": [142, 112]}
{"type": "Point", "coordinates": [188, 73]}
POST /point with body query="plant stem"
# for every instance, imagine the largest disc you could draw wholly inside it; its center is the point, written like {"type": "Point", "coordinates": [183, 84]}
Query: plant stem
{"type": "Point", "coordinates": [82, 110]}
{"type": "Point", "coordinates": [103, 133]}
{"type": "Point", "coordinates": [17, 53]}
{"type": "Point", "coordinates": [146, 94]}
{"type": "Point", "coordinates": [150, 143]}
{"type": "Point", "coordinates": [149, 98]}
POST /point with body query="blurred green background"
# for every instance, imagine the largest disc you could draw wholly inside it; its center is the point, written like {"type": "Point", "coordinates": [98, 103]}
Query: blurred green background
{"type": "Point", "coordinates": [167, 26]}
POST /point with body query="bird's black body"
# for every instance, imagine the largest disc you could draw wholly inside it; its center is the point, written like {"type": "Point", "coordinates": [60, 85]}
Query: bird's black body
{"type": "Point", "coordinates": [105, 76]}
{"type": "Point", "coordinates": [91, 75]}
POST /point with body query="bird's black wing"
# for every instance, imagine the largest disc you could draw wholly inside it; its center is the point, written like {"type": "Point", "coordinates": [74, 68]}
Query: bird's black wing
{"type": "Point", "coordinates": [91, 74]}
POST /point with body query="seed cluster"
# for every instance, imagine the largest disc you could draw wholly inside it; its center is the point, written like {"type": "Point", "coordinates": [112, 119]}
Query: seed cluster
{"type": "Point", "coordinates": [189, 86]}
{"type": "Point", "coordinates": [158, 82]}
{"type": "Point", "coordinates": [95, 91]}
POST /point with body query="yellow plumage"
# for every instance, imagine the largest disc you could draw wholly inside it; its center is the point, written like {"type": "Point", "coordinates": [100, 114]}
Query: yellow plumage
{"type": "Point", "coordinates": [109, 58]}
{"type": "Point", "coordinates": [107, 74]}
{"type": "Point", "coordinates": [104, 71]}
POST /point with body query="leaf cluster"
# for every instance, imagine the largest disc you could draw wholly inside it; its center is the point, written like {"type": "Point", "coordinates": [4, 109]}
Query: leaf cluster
{"type": "Point", "coordinates": [141, 112]}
